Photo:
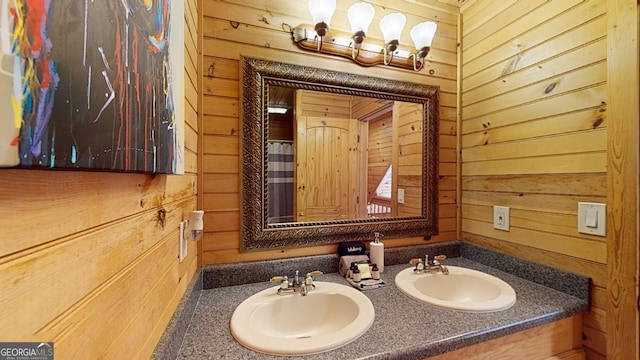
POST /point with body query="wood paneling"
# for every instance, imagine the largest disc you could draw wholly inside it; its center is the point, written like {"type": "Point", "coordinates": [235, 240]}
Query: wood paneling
{"type": "Point", "coordinates": [259, 34]}
{"type": "Point", "coordinates": [623, 31]}
{"type": "Point", "coordinates": [379, 152]}
{"type": "Point", "coordinates": [535, 129]}
{"type": "Point", "coordinates": [556, 340]}
{"type": "Point", "coordinates": [537, 83]}
{"type": "Point", "coordinates": [89, 260]}
{"type": "Point", "coordinates": [408, 170]}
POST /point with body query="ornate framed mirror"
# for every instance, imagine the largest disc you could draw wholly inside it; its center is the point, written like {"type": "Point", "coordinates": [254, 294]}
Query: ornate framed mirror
{"type": "Point", "coordinates": [350, 156]}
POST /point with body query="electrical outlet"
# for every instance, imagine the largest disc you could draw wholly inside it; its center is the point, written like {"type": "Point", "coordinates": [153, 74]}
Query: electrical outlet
{"type": "Point", "coordinates": [501, 218]}
{"type": "Point", "coordinates": [183, 241]}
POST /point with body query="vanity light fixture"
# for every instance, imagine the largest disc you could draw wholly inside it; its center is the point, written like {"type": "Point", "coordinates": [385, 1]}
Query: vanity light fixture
{"type": "Point", "coordinates": [315, 38]}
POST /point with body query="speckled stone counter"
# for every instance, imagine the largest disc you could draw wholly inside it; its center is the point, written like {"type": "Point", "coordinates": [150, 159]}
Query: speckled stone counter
{"type": "Point", "coordinates": [404, 328]}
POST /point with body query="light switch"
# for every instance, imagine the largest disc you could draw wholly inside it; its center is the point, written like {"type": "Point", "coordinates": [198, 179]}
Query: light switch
{"type": "Point", "coordinates": [592, 218]}
{"type": "Point", "coordinates": [400, 196]}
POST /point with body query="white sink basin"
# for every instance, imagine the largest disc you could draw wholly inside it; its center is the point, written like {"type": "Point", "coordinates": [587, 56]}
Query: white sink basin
{"type": "Point", "coordinates": [463, 289]}
{"type": "Point", "coordinates": [330, 316]}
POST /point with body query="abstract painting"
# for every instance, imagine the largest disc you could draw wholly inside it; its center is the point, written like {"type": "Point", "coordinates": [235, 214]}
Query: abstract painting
{"type": "Point", "coordinates": [92, 84]}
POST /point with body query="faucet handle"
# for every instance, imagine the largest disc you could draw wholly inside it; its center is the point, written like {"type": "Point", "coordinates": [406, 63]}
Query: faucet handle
{"type": "Point", "coordinates": [283, 280]}
{"type": "Point", "coordinates": [308, 281]}
{"type": "Point", "coordinates": [438, 258]}
{"type": "Point", "coordinates": [309, 278]}
{"type": "Point", "coordinates": [415, 261]}
{"type": "Point", "coordinates": [418, 263]}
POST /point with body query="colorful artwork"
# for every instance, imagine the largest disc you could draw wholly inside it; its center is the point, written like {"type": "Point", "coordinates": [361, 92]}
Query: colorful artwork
{"type": "Point", "coordinates": [88, 84]}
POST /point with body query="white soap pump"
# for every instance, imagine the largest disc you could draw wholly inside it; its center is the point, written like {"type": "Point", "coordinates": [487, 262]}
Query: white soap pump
{"type": "Point", "coordinates": [376, 251]}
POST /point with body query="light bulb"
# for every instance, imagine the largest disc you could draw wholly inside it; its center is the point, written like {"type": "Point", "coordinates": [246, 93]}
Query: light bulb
{"type": "Point", "coordinates": [321, 12]}
{"type": "Point", "coordinates": [422, 34]}
{"type": "Point", "coordinates": [391, 26]}
{"type": "Point", "coordinates": [360, 16]}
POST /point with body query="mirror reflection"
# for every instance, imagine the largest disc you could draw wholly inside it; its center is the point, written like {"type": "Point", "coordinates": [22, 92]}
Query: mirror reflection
{"type": "Point", "coordinates": [330, 175]}
{"type": "Point", "coordinates": [333, 156]}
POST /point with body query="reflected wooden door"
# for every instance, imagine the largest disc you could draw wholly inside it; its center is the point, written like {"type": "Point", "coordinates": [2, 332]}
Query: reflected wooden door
{"type": "Point", "coordinates": [327, 168]}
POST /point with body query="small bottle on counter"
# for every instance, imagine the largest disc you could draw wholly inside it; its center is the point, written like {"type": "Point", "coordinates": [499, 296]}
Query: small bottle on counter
{"type": "Point", "coordinates": [375, 272]}
{"type": "Point", "coordinates": [356, 274]}
{"type": "Point", "coordinates": [351, 270]}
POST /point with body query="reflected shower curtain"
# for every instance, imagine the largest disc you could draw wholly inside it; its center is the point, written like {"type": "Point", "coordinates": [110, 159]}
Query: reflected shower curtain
{"type": "Point", "coordinates": [281, 179]}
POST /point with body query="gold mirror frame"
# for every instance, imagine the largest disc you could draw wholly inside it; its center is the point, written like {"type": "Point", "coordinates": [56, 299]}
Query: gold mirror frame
{"type": "Point", "coordinates": [256, 232]}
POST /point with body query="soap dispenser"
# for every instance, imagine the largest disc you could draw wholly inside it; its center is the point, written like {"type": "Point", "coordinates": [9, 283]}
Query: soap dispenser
{"type": "Point", "coordinates": [376, 251]}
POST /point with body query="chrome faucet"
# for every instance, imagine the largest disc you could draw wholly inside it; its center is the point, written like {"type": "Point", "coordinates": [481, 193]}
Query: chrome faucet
{"type": "Point", "coordinates": [428, 267]}
{"type": "Point", "coordinates": [437, 266]}
{"type": "Point", "coordinates": [296, 286]}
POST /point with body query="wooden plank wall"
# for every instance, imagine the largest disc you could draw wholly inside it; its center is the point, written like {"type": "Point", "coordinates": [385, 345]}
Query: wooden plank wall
{"type": "Point", "coordinates": [256, 28]}
{"type": "Point", "coordinates": [89, 260]}
{"type": "Point", "coordinates": [623, 161]}
{"type": "Point", "coordinates": [377, 113]}
{"type": "Point", "coordinates": [323, 105]}
{"type": "Point", "coordinates": [408, 117]}
{"type": "Point", "coordinates": [379, 152]}
{"type": "Point", "coordinates": [534, 135]}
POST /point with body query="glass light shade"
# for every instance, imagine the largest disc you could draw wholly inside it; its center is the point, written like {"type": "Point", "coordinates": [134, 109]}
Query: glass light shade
{"type": "Point", "coordinates": [322, 10]}
{"type": "Point", "coordinates": [360, 16]}
{"type": "Point", "coordinates": [391, 26]}
{"type": "Point", "coordinates": [422, 34]}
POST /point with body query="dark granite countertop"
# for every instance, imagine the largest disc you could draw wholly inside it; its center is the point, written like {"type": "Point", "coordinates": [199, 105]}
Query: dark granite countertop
{"type": "Point", "coordinates": [403, 328]}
